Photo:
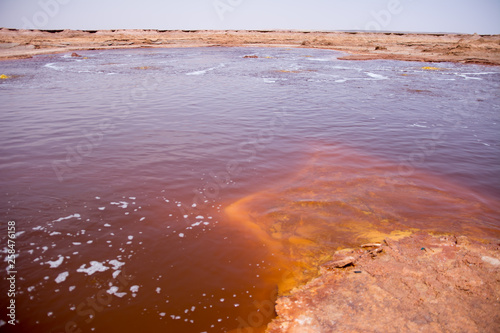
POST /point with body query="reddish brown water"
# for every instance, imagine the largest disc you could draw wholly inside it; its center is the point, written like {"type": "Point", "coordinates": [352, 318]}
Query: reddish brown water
{"type": "Point", "coordinates": [196, 183]}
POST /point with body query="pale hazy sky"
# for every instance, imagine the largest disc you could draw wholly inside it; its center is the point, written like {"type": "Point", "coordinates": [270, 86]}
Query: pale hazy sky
{"type": "Point", "coordinates": [466, 16]}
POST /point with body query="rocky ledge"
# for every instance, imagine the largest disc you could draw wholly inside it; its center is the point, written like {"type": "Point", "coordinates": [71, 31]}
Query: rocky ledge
{"type": "Point", "coordinates": [421, 283]}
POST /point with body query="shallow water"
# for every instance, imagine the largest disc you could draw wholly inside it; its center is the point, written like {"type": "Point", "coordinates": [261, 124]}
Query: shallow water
{"type": "Point", "coordinates": [127, 162]}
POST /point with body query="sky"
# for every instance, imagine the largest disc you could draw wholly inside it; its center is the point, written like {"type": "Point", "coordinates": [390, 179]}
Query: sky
{"type": "Point", "coordinates": [459, 16]}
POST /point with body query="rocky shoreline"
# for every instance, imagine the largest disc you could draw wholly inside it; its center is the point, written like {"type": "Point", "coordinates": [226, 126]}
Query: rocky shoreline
{"type": "Point", "coordinates": [463, 48]}
{"type": "Point", "coordinates": [421, 283]}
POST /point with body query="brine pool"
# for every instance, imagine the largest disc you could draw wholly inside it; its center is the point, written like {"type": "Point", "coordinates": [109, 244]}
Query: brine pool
{"type": "Point", "coordinates": [179, 190]}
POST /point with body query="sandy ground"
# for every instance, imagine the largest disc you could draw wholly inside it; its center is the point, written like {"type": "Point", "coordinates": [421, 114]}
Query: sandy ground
{"type": "Point", "coordinates": [421, 283]}
{"type": "Point", "coordinates": [478, 49]}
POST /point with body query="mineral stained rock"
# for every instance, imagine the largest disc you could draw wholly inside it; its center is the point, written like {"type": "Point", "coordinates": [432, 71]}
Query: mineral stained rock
{"type": "Point", "coordinates": [344, 197]}
{"type": "Point", "coordinates": [421, 283]}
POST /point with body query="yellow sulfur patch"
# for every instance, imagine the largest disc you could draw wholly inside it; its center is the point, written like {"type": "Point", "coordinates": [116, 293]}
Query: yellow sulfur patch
{"type": "Point", "coordinates": [427, 68]}
{"type": "Point", "coordinates": [4, 77]}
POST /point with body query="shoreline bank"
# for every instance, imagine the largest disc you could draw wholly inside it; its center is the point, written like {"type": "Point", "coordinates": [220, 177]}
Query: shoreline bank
{"type": "Point", "coordinates": [461, 48]}
{"type": "Point", "coordinates": [422, 282]}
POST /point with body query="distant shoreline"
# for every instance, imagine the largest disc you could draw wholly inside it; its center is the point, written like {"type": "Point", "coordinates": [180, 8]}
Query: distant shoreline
{"type": "Point", "coordinates": [424, 47]}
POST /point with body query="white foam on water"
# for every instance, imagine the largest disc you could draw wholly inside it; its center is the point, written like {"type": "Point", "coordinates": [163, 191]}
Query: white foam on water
{"type": "Point", "coordinates": [181, 235]}
{"type": "Point", "coordinates": [71, 288]}
{"type": "Point", "coordinates": [377, 76]}
{"type": "Point", "coordinates": [95, 266]}
{"type": "Point", "coordinates": [344, 67]}
{"type": "Point", "coordinates": [62, 277]}
{"type": "Point", "coordinates": [113, 291]}
{"type": "Point", "coordinates": [469, 77]}
{"type": "Point", "coordinates": [56, 263]}
{"type": "Point", "coordinates": [116, 264]}
{"type": "Point", "coordinates": [204, 71]}
{"type": "Point", "coordinates": [78, 216]}
{"type": "Point", "coordinates": [417, 125]}
{"type": "Point", "coordinates": [134, 288]}
{"type": "Point", "coordinates": [121, 204]}
{"type": "Point", "coordinates": [480, 73]}
{"type": "Point", "coordinates": [52, 65]}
